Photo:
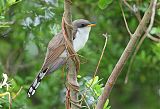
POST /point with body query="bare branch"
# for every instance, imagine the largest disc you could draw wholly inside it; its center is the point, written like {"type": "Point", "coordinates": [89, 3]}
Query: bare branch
{"type": "Point", "coordinates": [125, 21]}
{"type": "Point", "coordinates": [72, 62]}
{"type": "Point", "coordinates": [137, 13]}
{"type": "Point", "coordinates": [124, 57]}
{"type": "Point", "coordinates": [152, 21]}
{"type": "Point", "coordinates": [153, 38]}
{"type": "Point", "coordinates": [128, 5]}
{"type": "Point", "coordinates": [152, 17]}
{"type": "Point", "coordinates": [142, 39]}
{"type": "Point", "coordinates": [106, 37]}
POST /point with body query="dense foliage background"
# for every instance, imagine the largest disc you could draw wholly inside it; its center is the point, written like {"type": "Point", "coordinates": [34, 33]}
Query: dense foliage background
{"type": "Point", "coordinates": [26, 28]}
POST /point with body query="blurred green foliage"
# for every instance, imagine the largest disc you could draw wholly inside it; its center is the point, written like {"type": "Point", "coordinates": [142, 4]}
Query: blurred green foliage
{"type": "Point", "coordinates": [104, 3]}
{"type": "Point", "coordinates": [26, 28]}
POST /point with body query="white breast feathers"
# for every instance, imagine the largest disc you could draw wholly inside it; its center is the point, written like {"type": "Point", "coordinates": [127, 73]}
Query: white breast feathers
{"type": "Point", "coordinates": [80, 40]}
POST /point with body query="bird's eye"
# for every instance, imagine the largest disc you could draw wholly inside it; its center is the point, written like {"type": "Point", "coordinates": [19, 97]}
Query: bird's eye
{"type": "Point", "coordinates": [82, 25]}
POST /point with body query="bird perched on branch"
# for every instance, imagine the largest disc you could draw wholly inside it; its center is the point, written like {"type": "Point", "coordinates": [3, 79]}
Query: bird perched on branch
{"type": "Point", "coordinates": [56, 54]}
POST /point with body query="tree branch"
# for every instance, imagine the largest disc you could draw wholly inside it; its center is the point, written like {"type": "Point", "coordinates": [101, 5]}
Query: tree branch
{"type": "Point", "coordinates": [153, 38]}
{"type": "Point", "coordinates": [142, 39]}
{"type": "Point", "coordinates": [125, 21]}
{"type": "Point", "coordinates": [138, 16]}
{"type": "Point", "coordinates": [124, 57]}
{"type": "Point", "coordinates": [135, 11]}
{"type": "Point", "coordinates": [73, 61]}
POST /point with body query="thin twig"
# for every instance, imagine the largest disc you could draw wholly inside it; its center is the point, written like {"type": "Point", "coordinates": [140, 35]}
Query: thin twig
{"type": "Point", "coordinates": [86, 103]}
{"type": "Point", "coordinates": [125, 21]}
{"type": "Point", "coordinates": [137, 13]}
{"type": "Point", "coordinates": [17, 93]}
{"type": "Point", "coordinates": [104, 47]}
{"type": "Point", "coordinates": [153, 38]}
{"type": "Point", "coordinates": [127, 4]}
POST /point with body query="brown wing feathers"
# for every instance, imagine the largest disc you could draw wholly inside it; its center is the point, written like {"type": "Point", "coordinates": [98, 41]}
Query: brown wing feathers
{"type": "Point", "coordinates": [55, 48]}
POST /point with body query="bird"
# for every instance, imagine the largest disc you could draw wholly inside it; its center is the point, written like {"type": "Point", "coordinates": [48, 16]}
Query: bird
{"type": "Point", "coordinates": [56, 55]}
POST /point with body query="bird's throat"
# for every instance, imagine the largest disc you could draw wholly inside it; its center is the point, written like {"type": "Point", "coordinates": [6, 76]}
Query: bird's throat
{"type": "Point", "coordinates": [82, 36]}
{"type": "Point", "coordinates": [80, 40]}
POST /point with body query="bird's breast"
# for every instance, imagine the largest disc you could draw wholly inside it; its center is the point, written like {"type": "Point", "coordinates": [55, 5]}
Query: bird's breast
{"type": "Point", "coordinates": [80, 40]}
{"type": "Point", "coordinates": [82, 36]}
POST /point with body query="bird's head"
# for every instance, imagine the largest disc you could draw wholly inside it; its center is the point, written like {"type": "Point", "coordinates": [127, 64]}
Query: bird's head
{"type": "Point", "coordinates": [83, 25]}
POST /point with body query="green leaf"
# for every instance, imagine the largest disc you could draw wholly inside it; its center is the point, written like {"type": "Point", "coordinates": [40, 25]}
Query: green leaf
{"type": "Point", "coordinates": [10, 2]}
{"type": "Point", "coordinates": [93, 81]}
{"type": "Point", "coordinates": [104, 3]}
{"type": "Point", "coordinates": [79, 76]}
{"type": "Point", "coordinates": [106, 104]}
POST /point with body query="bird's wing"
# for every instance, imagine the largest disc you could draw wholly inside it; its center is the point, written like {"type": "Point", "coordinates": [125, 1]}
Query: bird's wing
{"type": "Point", "coordinates": [55, 48]}
{"type": "Point", "coordinates": [52, 60]}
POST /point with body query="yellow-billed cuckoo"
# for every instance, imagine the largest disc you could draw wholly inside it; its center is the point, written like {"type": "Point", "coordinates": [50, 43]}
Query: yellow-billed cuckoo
{"type": "Point", "coordinates": [56, 54]}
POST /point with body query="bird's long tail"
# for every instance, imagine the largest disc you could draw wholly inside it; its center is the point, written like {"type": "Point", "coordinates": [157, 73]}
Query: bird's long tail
{"type": "Point", "coordinates": [36, 82]}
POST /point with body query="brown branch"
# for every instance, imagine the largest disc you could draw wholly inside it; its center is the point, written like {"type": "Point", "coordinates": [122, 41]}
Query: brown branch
{"type": "Point", "coordinates": [138, 16]}
{"type": "Point", "coordinates": [142, 39]}
{"type": "Point", "coordinates": [127, 4]}
{"type": "Point", "coordinates": [136, 13]}
{"type": "Point", "coordinates": [124, 57]}
{"type": "Point", "coordinates": [104, 47]}
{"type": "Point", "coordinates": [73, 61]}
{"type": "Point", "coordinates": [125, 21]}
{"type": "Point", "coordinates": [153, 38]}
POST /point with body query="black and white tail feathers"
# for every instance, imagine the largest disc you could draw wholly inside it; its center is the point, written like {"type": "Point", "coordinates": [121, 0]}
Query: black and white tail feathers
{"type": "Point", "coordinates": [36, 82]}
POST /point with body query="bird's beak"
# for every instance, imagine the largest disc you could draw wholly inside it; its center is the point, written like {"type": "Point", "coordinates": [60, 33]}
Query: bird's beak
{"type": "Point", "coordinates": [92, 24]}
